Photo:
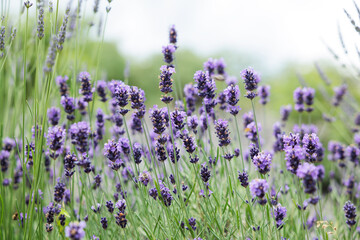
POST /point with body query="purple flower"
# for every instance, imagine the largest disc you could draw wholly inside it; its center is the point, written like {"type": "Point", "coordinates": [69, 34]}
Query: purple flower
{"type": "Point", "coordinates": [166, 196]}
{"type": "Point", "coordinates": [82, 105]}
{"type": "Point", "coordinates": [279, 213]}
{"type": "Point", "coordinates": [121, 205]}
{"type": "Point", "coordinates": [79, 134]}
{"type": "Point", "coordinates": [168, 53]}
{"type": "Point", "coordinates": [352, 153]}
{"type": "Point", "coordinates": [124, 146]}
{"type": "Point", "coordinates": [309, 95]}
{"type": "Point", "coordinates": [188, 142]}
{"type": "Point", "coordinates": [205, 85]}
{"type": "Point", "coordinates": [135, 124]}
{"type": "Point", "coordinates": [101, 90]}
{"type": "Point", "coordinates": [192, 223]}
{"type": "Point", "coordinates": [159, 119]}
{"type": "Point", "coordinates": [104, 222]}
{"type": "Point", "coordinates": [165, 84]}
{"type": "Point", "coordinates": [137, 151]}
{"type": "Point", "coordinates": [69, 106]}
{"type": "Point", "coordinates": [8, 144]}
{"type": "Point", "coordinates": [59, 191]}
{"type": "Point", "coordinates": [243, 178]}
{"type": "Point", "coordinates": [177, 118]}
{"type": "Point", "coordinates": [191, 94]}
{"type": "Point", "coordinates": [209, 66]}
{"type": "Point", "coordinates": [173, 35]}
{"type": "Point", "coordinates": [293, 156]}
{"type": "Point", "coordinates": [137, 98]}
{"type": "Point", "coordinates": [251, 132]}
{"type": "Point", "coordinates": [111, 150]}
{"type": "Point", "coordinates": [311, 145]}
{"type": "Point", "coordinates": [69, 164]}
{"type": "Point", "coordinates": [205, 173]}
{"type": "Point", "coordinates": [4, 160]}
{"type": "Point", "coordinates": [220, 66]}
{"type": "Point", "coordinates": [55, 140]}
{"type": "Point", "coordinates": [75, 230]}
{"type": "Point", "coordinates": [85, 90]}
{"type": "Point", "coordinates": [339, 94]}
{"type": "Point", "coordinates": [145, 178]}
{"type": "Point", "coordinates": [121, 94]}
{"type": "Point", "coordinates": [285, 112]}
{"type": "Point", "coordinates": [110, 206]}
{"type": "Point", "coordinates": [299, 99]}
{"type": "Point", "coordinates": [193, 123]}
{"type": "Point", "coordinates": [262, 162]}
{"type": "Point", "coordinates": [232, 94]}
{"type": "Point", "coordinates": [100, 121]}
{"type": "Point", "coordinates": [121, 219]}
{"type": "Point", "coordinates": [222, 132]}
{"type": "Point", "coordinates": [350, 213]}
{"type": "Point", "coordinates": [160, 152]}
{"type": "Point", "coordinates": [53, 115]}
{"type": "Point", "coordinates": [264, 93]}
{"type": "Point", "coordinates": [258, 188]}
{"type": "Point", "coordinates": [61, 82]}
{"type": "Point", "coordinates": [310, 174]}
{"type": "Point", "coordinates": [251, 79]}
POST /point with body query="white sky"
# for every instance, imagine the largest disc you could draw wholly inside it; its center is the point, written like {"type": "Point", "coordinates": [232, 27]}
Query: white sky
{"type": "Point", "coordinates": [274, 31]}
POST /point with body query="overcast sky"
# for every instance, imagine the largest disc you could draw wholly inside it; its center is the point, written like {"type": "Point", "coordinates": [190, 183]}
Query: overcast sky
{"type": "Point", "coordinates": [275, 31]}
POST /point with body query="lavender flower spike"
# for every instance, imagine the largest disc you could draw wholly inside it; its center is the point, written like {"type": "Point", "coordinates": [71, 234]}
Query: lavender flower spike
{"type": "Point", "coordinates": [222, 132]}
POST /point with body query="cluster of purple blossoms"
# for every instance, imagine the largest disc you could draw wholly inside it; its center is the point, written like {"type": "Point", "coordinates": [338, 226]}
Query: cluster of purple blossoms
{"type": "Point", "coordinates": [145, 178]}
{"type": "Point", "coordinates": [4, 160]}
{"type": "Point", "coordinates": [68, 104]}
{"type": "Point", "coordinates": [337, 153]}
{"type": "Point", "coordinates": [168, 52]}
{"type": "Point", "coordinates": [222, 132]}
{"type": "Point", "coordinates": [53, 115]}
{"type": "Point", "coordinates": [121, 219]}
{"type": "Point", "coordinates": [50, 212]}
{"type": "Point", "coordinates": [69, 164]}
{"type": "Point", "coordinates": [212, 65]}
{"type": "Point", "coordinates": [178, 119]}
{"type": "Point", "coordinates": [191, 94]}
{"type": "Point", "coordinates": [262, 162]}
{"type": "Point", "coordinates": [304, 96]}
{"type": "Point", "coordinates": [159, 119]}
{"type": "Point", "coordinates": [121, 94]}
{"type": "Point", "coordinates": [59, 191]}
{"type": "Point", "coordinates": [193, 123]}
{"type": "Point", "coordinates": [232, 94]}
{"type": "Point", "coordinates": [55, 140]}
{"type": "Point", "coordinates": [75, 230]}
{"type": "Point", "coordinates": [205, 173]}
{"type": "Point", "coordinates": [258, 188]}
{"type": "Point", "coordinates": [310, 174]}
{"type": "Point", "coordinates": [173, 35]}
{"type": "Point", "coordinates": [61, 82]}
{"type": "Point", "coordinates": [279, 213]}
{"type": "Point", "coordinates": [137, 98]}
{"type": "Point", "coordinates": [251, 132]}
{"type": "Point", "coordinates": [264, 94]}
{"type": "Point", "coordinates": [251, 80]}
{"type": "Point", "coordinates": [206, 89]}
{"type": "Point", "coordinates": [243, 178]}
{"type": "Point", "coordinates": [350, 213]}
{"type": "Point", "coordinates": [166, 81]}
{"type": "Point", "coordinates": [339, 94]}
{"type": "Point", "coordinates": [111, 151]}
{"type": "Point", "coordinates": [352, 153]}
{"type": "Point", "coordinates": [86, 90]}
{"type": "Point", "coordinates": [81, 105]}
{"type": "Point", "coordinates": [312, 148]}
{"type": "Point", "coordinates": [101, 90]}
{"type": "Point", "coordinates": [100, 122]}
{"type": "Point", "coordinates": [79, 134]}
{"type": "Point", "coordinates": [285, 112]}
